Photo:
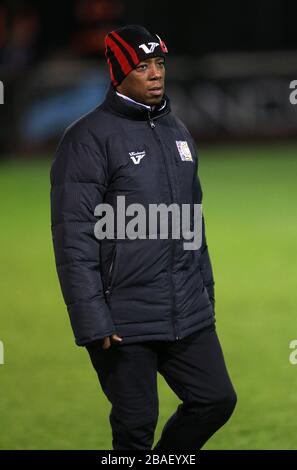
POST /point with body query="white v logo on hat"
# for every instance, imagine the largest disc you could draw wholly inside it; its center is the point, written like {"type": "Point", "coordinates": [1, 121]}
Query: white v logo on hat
{"type": "Point", "coordinates": [149, 50]}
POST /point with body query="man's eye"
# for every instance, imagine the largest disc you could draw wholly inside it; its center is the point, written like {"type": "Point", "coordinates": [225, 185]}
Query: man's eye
{"type": "Point", "coordinates": [141, 67]}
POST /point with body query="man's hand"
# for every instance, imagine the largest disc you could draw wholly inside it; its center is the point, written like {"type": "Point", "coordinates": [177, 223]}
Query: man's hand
{"type": "Point", "coordinates": [108, 340]}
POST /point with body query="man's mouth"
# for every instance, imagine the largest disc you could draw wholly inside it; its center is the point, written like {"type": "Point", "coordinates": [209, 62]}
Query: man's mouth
{"type": "Point", "coordinates": [156, 91]}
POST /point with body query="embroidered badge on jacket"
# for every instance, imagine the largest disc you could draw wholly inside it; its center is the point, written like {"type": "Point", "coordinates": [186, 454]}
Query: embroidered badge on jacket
{"type": "Point", "coordinates": [183, 150]}
{"type": "Point", "coordinates": [137, 156]}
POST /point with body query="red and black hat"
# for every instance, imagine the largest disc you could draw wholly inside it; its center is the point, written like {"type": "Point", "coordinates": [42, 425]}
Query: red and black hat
{"type": "Point", "coordinates": [127, 46]}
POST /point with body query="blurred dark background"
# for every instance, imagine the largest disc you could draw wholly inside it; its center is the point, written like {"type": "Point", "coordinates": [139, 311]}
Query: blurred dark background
{"type": "Point", "coordinates": [228, 73]}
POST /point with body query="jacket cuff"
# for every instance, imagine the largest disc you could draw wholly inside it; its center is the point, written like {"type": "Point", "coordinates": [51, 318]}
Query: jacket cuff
{"type": "Point", "coordinates": [90, 321]}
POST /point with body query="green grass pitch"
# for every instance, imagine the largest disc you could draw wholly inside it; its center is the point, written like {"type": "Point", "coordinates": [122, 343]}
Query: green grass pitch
{"type": "Point", "coordinates": [50, 398]}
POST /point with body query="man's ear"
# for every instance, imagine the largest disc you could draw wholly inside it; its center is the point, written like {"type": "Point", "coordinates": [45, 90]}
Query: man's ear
{"type": "Point", "coordinates": [119, 88]}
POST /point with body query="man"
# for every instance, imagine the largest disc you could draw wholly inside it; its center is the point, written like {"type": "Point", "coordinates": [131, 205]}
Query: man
{"type": "Point", "coordinates": [143, 305]}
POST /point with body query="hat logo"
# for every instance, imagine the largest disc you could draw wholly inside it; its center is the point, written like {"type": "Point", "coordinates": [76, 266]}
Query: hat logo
{"type": "Point", "coordinates": [149, 50]}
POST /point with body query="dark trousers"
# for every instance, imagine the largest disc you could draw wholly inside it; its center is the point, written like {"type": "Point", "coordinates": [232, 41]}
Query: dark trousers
{"type": "Point", "coordinates": [195, 370]}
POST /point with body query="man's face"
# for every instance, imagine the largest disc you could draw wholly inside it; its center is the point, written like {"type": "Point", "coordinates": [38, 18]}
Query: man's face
{"type": "Point", "coordinates": [145, 83]}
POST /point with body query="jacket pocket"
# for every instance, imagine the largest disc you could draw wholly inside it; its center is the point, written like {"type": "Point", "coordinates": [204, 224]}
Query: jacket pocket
{"type": "Point", "coordinates": [112, 271]}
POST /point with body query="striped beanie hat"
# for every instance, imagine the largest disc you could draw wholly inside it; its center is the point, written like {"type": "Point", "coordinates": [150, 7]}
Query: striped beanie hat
{"type": "Point", "coordinates": [127, 46]}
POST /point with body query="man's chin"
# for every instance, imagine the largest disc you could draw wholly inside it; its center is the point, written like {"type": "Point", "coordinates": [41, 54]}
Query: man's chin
{"type": "Point", "coordinates": [154, 100]}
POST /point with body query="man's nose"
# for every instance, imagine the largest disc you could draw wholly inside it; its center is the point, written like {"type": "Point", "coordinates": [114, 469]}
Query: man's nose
{"type": "Point", "coordinates": [155, 72]}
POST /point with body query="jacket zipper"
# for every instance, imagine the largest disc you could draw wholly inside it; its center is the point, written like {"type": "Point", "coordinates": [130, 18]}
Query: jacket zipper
{"type": "Point", "coordinates": [153, 125]}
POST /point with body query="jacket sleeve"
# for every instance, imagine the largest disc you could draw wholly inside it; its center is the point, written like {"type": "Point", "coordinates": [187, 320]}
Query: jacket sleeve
{"type": "Point", "coordinates": [78, 181]}
{"type": "Point", "coordinates": [204, 259]}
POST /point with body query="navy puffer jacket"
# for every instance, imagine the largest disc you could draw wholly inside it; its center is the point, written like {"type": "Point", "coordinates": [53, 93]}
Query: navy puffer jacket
{"type": "Point", "coordinates": [142, 289]}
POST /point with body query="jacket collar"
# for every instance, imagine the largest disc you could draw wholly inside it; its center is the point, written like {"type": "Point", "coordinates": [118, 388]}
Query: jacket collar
{"type": "Point", "coordinates": [133, 101]}
{"type": "Point", "coordinates": [132, 110]}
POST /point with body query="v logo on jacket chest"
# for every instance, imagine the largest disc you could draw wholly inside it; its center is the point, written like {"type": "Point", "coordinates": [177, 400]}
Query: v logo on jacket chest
{"type": "Point", "coordinates": [137, 156]}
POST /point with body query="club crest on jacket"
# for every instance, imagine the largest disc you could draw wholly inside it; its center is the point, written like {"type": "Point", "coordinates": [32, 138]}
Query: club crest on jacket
{"type": "Point", "coordinates": [183, 150]}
